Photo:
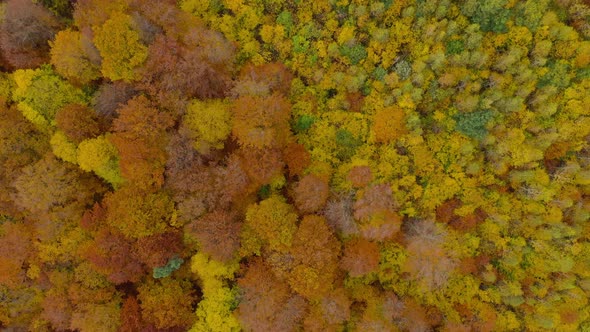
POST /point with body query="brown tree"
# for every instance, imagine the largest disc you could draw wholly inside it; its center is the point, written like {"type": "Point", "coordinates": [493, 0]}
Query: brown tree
{"type": "Point", "coordinates": [360, 257]}
{"type": "Point", "coordinates": [140, 137]}
{"type": "Point", "coordinates": [111, 254]}
{"type": "Point", "coordinates": [78, 122]}
{"type": "Point", "coordinates": [218, 234]}
{"type": "Point", "coordinates": [267, 303]}
{"type": "Point", "coordinates": [310, 193]}
{"type": "Point", "coordinates": [261, 122]}
{"type": "Point", "coordinates": [109, 98]}
{"type": "Point", "coordinates": [175, 71]}
{"type": "Point", "coordinates": [24, 33]}
{"type": "Point", "coordinates": [315, 252]}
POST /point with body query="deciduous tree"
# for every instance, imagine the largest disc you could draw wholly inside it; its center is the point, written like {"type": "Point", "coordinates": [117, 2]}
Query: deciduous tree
{"type": "Point", "coordinates": [25, 31]}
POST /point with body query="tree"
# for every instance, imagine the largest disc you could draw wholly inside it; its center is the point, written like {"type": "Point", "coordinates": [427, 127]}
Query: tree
{"type": "Point", "coordinates": [111, 254]}
{"type": "Point", "coordinates": [131, 319]}
{"type": "Point", "coordinates": [338, 213]}
{"type": "Point", "coordinates": [137, 213]}
{"type": "Point", "coordinates": [360, 257]}
{"type": "Point", "coordinates": [100, 156]}
{"type": "Point", "coordinates": [120, 48]}
{"type": "Point", "coordinates": [267, 303]}
{"type": "Point", "coordinates": [360, 176]}
{"type": "Point", "coordinates": [109, 97]}
{"type": "Point", "coordinates": [72, 59]}
{"type": "Point", "coordinates": [261, 165]}
{"type": "Point", "coordinates": [330, 313]}
{"type": "Point", "coordinates": [157, 250]}
{"type": "Point", "coordinates": [78, 122]}
{"type": "Point", "coordinates": [263, 80]}
{"type": "Point", "coordinates": [15, 250]}
{"type": "Point", "coordinates": [178, 70]}
{"type": "Point", "coordinates": [167, 302]}
{"type": "Point", "coordinates": [25, 31]}
{"type": "Point", "coordinates": [50, 185]}
{"type": "Point", "coordinates": [218, 234]}
{"type": "Point", "coordinates": [311, 193]}
{"type": "Point", "coordinates": [389, 124]}
{"type": "Point", "coordinates": [20, 145]}
{"type": "Point", "coordinates": [214, 312]}
{"type": "Point", "coordinates": [261, 122]}
{"type": "Point", "coordinates": [428, 260]}
{"type": "Point", "coordinates": [270, 223]}
{"type": "Point", "coordinates": [140, 137]}
{"type": "Point", "coordinates": [209, 123]}
{"type": "Point", "coordinates": [375, 212]}
{"type": "Point", "coordinates": [297, 158]}
{"type": "Point", "coordinates": [315, 253]}
{"type": "Point", "coordinates": [40, 94]}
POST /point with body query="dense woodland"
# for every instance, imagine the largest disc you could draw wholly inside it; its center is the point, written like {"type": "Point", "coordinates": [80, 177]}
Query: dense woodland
{"type": "Point", "coordinates": [294, 165]}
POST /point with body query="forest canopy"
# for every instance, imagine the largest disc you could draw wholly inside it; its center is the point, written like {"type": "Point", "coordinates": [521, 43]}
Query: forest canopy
{"type": "Point", "coordinates": [267, 165]}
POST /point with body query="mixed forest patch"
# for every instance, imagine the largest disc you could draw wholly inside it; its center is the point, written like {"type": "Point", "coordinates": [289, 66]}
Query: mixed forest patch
{"type": "Point", "coordinates": [271, 165]}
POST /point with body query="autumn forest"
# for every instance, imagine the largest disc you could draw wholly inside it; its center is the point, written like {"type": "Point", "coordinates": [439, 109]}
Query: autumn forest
{"type": "Point", "coordinates": [294, 165]}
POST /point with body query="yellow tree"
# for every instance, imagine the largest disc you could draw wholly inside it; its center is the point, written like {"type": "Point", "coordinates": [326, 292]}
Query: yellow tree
{"type": "Point", "coordinates": [120, 48]}
{"type": "Point", "coordinates": [72, 59]}
{"type": "Point", "coordinates": [209, 123]}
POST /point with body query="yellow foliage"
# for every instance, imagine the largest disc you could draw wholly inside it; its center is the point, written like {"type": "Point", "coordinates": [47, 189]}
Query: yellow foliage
{"type": "Point", "coordinates": [214, 311]}
{"type": "Point", "coordinates": [63, 148]}
{"type": "Point", "coordinates": [100, 156]}
{"type": "Point", "coordinates": [389, 124]}
{"type": "Point", "coordinates": [209, 123]}
{"type": "Point", "coordinates": [119, 47]}
{"type": "Point", "coordinates": [71, 59]}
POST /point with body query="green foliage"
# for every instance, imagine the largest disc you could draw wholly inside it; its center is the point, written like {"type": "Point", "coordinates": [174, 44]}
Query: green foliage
{"type": "Point", "coordinates": [379, 73]}
{"type": "Point", "coordinates": [264, 192]}
{"type": "Point", "coordinates": [40, 93]}
{"type": "Point", "coordinates": [491, 16]}
{"type": "Point", "coordinates": [61, 8]}
{"type": "Point", "coordinates": [558, 75]}
{"type": "Point", "coordinates": [355, 53]}
{"type": "Point", "coordinates": [285, 18]}
{"type": "Point", "coordinates": [454, 46]}
{"type": "Point", "coordinates": [473, 124]}
{"type": "Point", "coordinates": [300, 44]}
{"type": "Point", "coordinates": [303, 123]}
{"type": "Point", "coordinates": [347, 143]}
{"type": "Point", "coordinates": [166, 270]}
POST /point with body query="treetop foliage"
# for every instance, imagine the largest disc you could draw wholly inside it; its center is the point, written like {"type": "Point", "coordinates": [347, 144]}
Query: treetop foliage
{"type": "Point", "coordinates": [267, 165]}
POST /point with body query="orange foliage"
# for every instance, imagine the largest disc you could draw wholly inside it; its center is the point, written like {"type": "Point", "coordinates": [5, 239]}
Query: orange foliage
{"type": "Point", "coordinates": [167, 302]}
{"type": "Point", "coordinates": [315, 253]}
{"type": "Point", "coordinates": [360, 176]}
{"type": "Point", "coordinates": [297, 158]}
{"type": "Point", "coordinates": [311, 193]}
{"type": "Point", "coordinates": [389, 124]}
{"type": "Point", "coordinates": [218, 234]}
{"type": "Point", "coordinates": [267, 303]}
{"type": "Point", "coordinates": [261, 122]}
{"type": "Point", "coordinates": [111, 254]}
{"type": "Point", "coordinates": [140, 137]}
{"type": "Point", "coordinates": [374, 210]}
{"type": "Point", "coordinates": [360, 257]}
{"type": "Point", "coordinates": [261, 165]}
{"type": "Point", "coordinates": [78, 122]}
